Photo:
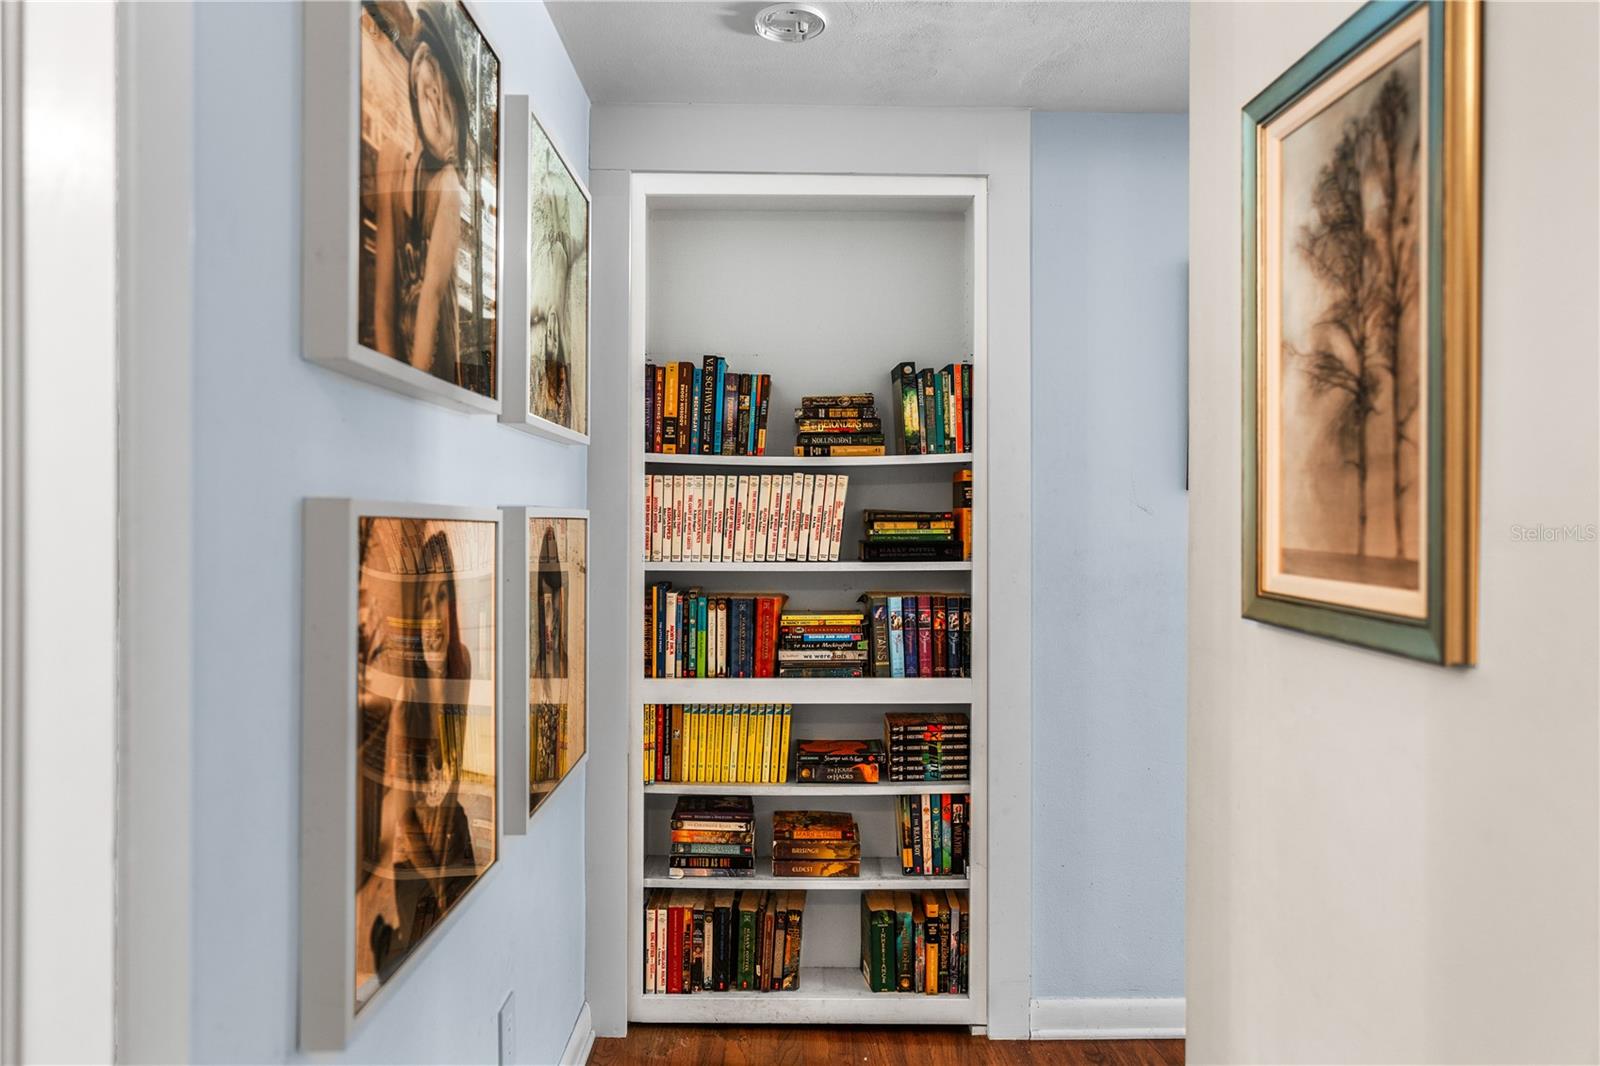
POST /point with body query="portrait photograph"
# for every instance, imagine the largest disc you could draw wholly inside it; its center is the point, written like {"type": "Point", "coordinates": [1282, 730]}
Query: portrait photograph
{"type": "Point", "coordinates": [558, 287]}
{"type": "Point", "coordinates": [1347, 442]}
{"type": "Point", "coordinates": [558, 571]}
{"type": "Point", "coordinates": [429, 130]}
{"type": "Point", "coordinates": [426, 701]}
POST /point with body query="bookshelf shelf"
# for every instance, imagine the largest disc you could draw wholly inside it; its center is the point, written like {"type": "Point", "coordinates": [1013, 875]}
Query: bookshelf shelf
{"type": "Point", "coordinates": [829, 995]}
{"type": "Point", "coordinates": [652, 460]}
{"type": "Point", "coordinates": [699, 248]}
{"type": "Point", "coordinates": [808, 568]}
{"type": "Point", "coordinates": [833, 690]}
{"type": "Point", "coordinates": [876, 873]}
{"type": "Point", "coordinates": [799, 788]}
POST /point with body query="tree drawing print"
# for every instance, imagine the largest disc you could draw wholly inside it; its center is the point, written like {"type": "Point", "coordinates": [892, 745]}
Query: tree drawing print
{"type": "Point", "coordinates": [1351, 345]}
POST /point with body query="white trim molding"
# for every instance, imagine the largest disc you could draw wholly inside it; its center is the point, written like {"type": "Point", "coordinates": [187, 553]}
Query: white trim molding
{"type": "Point", "coordinates": [1107, 1019]}
{"type": "Point", "coordinates": [581, 1042]}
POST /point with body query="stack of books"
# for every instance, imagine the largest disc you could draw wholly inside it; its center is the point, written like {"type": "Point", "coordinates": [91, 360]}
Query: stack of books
{"type": "Point", "coordinates": [694, 633]}
{"type": "Point", "coordinates": [815, 844]}
{"type": "Point", "coordinates": [934, 835]}
{"type": "Point", "coordinates": [712, 836]}
{"type": "Point", "coordinates": [839, 424]}
{"type": "Point", "coordinates": [720, 941]}
{"type": "Point", "coordinates": [919, 634]}
{"type": "Point", "coordinates": [822, 644]}
{"type": "Point", "coordinates": [839, 761]}
{"type": "Point", "coordinates": [915, 942]}
{"type": "Point", "coordinates": [705, 410]}
{"type": "Point", "coordinates": [744, 518]}
{"type": "Point", "coordinates": [896, 536]}
{"type": "Point", "coordinates": [717, 742]}
{"type": "Point", "coordinates": [932, 409]}
{"type": "Point", "coordinates": [927, 746]}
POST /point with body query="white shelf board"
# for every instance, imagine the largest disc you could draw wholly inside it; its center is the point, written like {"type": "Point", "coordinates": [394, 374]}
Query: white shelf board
{"type": "Point", "coordinates": [798, 788]}
{"type": "Point", "coordinates": [876, 873]}
{"type": "Point", "coordinates": [845, 567]}
{"type": "Point", "coordinates": [654, 459]}
{"type": "Point", "coordinates": [807, 690]}
{"type": "Point", "coordinates": [827, 995]}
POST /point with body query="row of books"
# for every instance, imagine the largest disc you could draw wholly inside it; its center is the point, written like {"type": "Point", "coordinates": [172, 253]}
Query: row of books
{"type": "Point", "coordinates": [909, 535]}
{"type": "Point", "coordinates": [717, 742]}
{"type": "Point", "coordinates": [838, 424]}
{"type": "Point", "coordinates": [933, 408]}
{"type": "Point", "coordinates": [744, 518]}
{"type": "Point", "coordinates": [915, 942]}
{"type": "Point", "coordinates": [750, 743]}
{"type": "Point", "coordinates": [712, 836]}
{"type": "Point", "coordinates": [919, 634]}
{"type": "Point", "coordinates": [927, 746]}
{"type": "Point", "coordinates": [935, 834]}
{"type": "Point", "coordinates": [705, 409]}
{"type": "Point", "coordinates": [694, 633]}
{"type": "Point", "coordinates": [722, 940]}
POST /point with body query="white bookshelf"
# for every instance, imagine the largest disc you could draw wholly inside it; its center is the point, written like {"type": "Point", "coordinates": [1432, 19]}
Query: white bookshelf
{"type": "Point", "coordinates": [876, 872]}
{"type": "Point", "coordinates": [913, 691]}
{"type": "Point", "coordinates": [798, 788]}
{"type": "Point", "coordinates": [891, 268]}
{"type": "Point", "coordinates": [828, 995]}
{"type": "Point", "coordinates": [842, 567]}
{"type": "Point", "coordinates": [654, 460]}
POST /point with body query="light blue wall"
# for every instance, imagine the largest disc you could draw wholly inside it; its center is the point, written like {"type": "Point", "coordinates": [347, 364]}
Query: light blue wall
{"type": "Point", "coordinates": [270, 430]}
{"type": "Point", "coordinates": [1110, 240]}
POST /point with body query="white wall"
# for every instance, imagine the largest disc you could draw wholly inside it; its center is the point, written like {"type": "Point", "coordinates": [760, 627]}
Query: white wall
{"type": "Point", "coordinates": [269, 430]}
{"type": "Point", "coordinates": [1110, 538]}
{"type": "Point", "coordinates": [834, 140]}
{"type": "Point", "coordinates": [1389, 861]}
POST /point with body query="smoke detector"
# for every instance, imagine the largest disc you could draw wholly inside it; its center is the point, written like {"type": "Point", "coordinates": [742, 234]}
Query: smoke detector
{"type": "Point", "coordinates": [790, 23]}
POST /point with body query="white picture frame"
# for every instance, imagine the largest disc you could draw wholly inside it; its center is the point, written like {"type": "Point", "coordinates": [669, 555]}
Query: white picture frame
{"type": "Point", "coordinates": [516, 774]}
{"type": "Point", "coordinates": [519, 122]}
{"type": "Point", "coordinates": [331, 211]}
{"type": "Point", "coordinates": [329, 746]}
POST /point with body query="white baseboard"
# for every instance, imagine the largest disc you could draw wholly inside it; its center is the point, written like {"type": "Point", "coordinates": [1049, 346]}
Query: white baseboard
{"type": "Point", "coordinates": [1107, 1019]}
{"type": "Point", "coordinates": [581, 1042]}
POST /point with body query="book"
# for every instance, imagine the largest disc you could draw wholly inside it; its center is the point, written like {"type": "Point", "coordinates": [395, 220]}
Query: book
{"type": "Point", "coordinates": [705, 409]}
{"type": "Point", "coordinates": [813, 825]}
{"type": "Point", "coordinates": [839, 760]}
{"type": "Point", "coordinates": [877, 936]}
{"type": "Point", "coordinates": [816, 849]}
{"type": "Point", "coordinates": [816, 867]}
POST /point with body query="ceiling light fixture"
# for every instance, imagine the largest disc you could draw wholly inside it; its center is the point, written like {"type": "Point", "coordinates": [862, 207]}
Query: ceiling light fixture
{"type": "Point", "coordinates": [790, 23]}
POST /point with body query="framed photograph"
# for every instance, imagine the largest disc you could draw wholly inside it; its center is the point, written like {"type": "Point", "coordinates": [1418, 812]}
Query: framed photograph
{"type": "Point", "coordinates": [545, 640]}
{"type": "Point", "coordinates": [401, 198]}
{"type": "Point", "coordinates": [547, 233]}
{"type": "Point", "coordinates": [400, 818]}
{"type": "Point", "coordinates": [1361, 229]}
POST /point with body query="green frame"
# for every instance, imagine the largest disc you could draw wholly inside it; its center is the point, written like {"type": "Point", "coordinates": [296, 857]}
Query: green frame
{"type": "Point", "coordinates": [1428, 638]}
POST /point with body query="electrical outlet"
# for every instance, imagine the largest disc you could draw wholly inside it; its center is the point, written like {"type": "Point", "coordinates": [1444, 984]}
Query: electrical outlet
{"type": "Point", "coordinates": [508, 1029]}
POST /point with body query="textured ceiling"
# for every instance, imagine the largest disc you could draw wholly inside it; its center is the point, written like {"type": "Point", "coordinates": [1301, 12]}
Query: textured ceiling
{"type": "Point", "coordinates": [1053, 56]}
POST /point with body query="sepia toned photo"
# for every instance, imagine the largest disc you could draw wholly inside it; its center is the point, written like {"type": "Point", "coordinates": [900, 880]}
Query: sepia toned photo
{"type": "Point", "coordinates": [1344, 448]}
{"type": "Point", "coordinates": [426, 699]}
{"type": "Point", "coordinates": [1361, 292]}
{"type": "Point", "coordinates": [558, 581]}
{"type": "Point", "coordinates": [558, 287]}
{"type": "Point", "coordinates": [430, 112]}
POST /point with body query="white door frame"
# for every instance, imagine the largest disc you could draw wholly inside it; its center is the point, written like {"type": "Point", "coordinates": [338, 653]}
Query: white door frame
{"type": "Point", "coordinates": [61, 527]}
{"type": "Point", "coordinates": [96, 233]}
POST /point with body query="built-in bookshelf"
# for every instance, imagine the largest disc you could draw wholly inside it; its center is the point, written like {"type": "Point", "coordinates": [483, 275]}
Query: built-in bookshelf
{"type": "Point", "coordinates": [824, 283]}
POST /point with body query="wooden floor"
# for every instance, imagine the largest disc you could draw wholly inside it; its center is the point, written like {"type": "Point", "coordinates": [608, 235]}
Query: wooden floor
{"type": "Point", "coordinates": [696, 1045]}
